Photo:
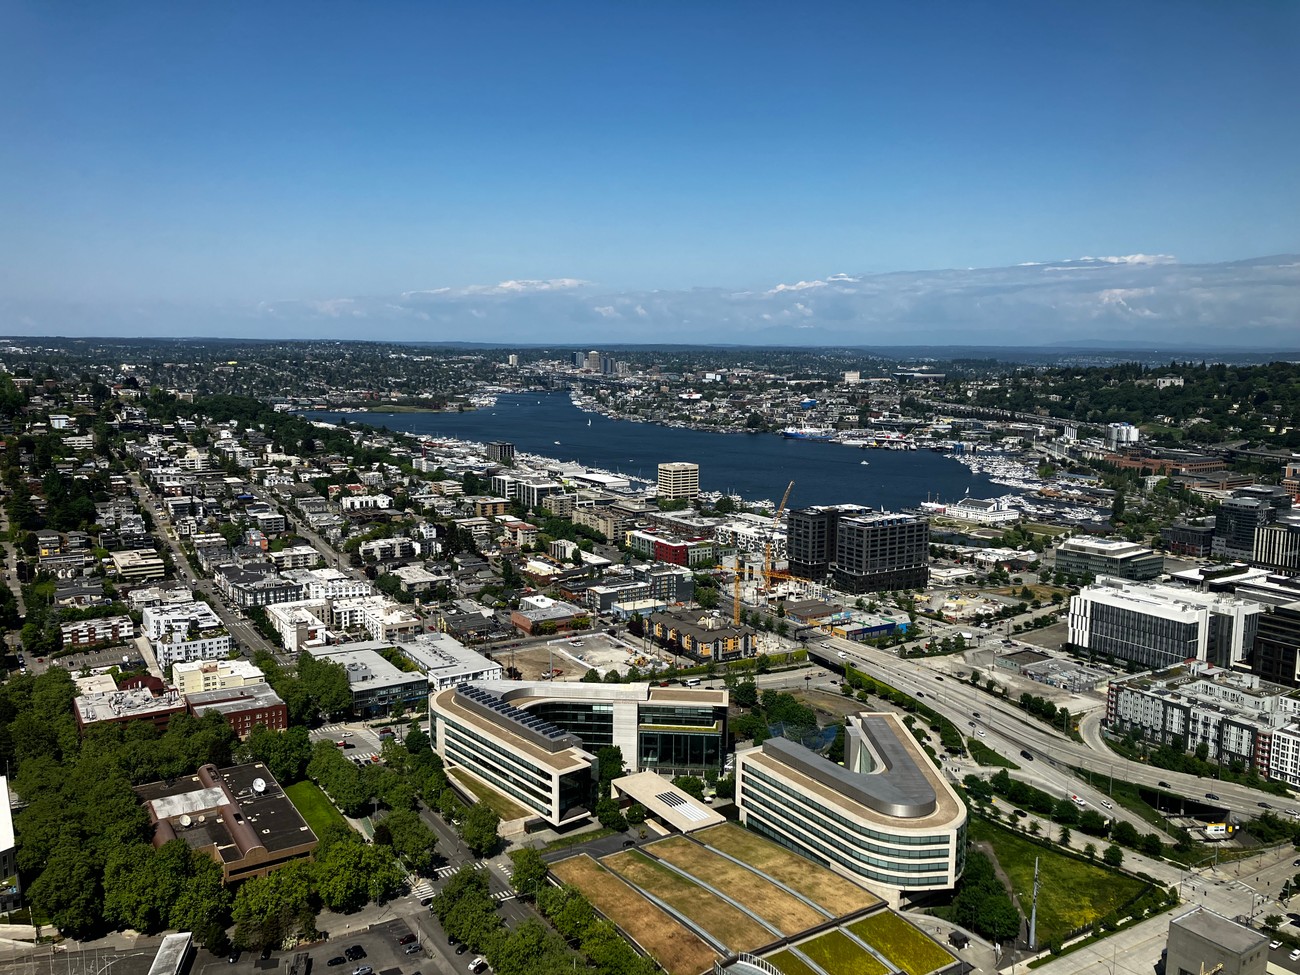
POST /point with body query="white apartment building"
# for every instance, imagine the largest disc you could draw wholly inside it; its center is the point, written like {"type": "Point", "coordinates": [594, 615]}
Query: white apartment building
{"type": "Point", "coordinates": [1158, 626]}
{"type": "Point", "coordinates": [300, 624]}
{"type": "Point", "coordinates": [1236, 716]}
{"type": "Point", "coordinates": [329, 584]}
{"type": "Point", "coordinates": [365, 502]}
{"type": "Point", "coordinates": [295, 557]}
{"type": "Point", "coordinates": [196, 676]}
{"type": "Point", "coordinates": [379, 616]}
{"type": "Point", "coordinates": [182, 632]}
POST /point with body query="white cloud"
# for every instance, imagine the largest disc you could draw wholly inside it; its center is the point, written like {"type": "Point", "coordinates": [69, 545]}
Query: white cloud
{"type": "Point", "coordinates": [525, 286]}
{"type": "Point", "coordinates": [797, 286]}
{"type": "Point", "coordinates": [606, 311]}
{"type": "Point", "coordinates": [1134, 259]}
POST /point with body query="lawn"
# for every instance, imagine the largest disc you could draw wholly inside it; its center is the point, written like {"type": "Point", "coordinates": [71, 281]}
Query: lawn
{"type": "Point", "coordinates": [836, 952]}
{"type": "Point", "coordinates": [506, 808]}
{"type": "Point", "coordinates": [724, 923]}
{"type": "Point", "coordinates": [314, 806]}
{"type": "Point", "coordinates": [823, 887]}
{"type": "Point", "coordinates": [577, 839]}
{"type": "Point", "coordinates": [1072, 893]}
{"type": "Point", "coordinates": [679, 950]}
{"type": "Point", "coordinates": [985, 755]}
{"type": "Point", "coordinates": [907, 948]}
{"type": "Point", "coordinates": [789, 963]}
{"type": "Point", "coordinates": [761, 897]}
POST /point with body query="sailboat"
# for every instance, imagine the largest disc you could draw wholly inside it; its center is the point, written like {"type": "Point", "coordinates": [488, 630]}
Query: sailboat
{"type": "Point", "coordinates": [588, 423]}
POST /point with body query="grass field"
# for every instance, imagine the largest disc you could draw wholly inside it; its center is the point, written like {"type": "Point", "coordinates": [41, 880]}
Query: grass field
{"type": "Point", "coordinates": [789, 963]}
{"type": "Point", "coordinates": [314, 807]}
{"type": "Point", "coordinates": [907, 948]}
{"type": "Point", "coordinates": [675, 947]}
{"type": "Point", "coordinates": [574, 839]}
{"type": "Point", "coordinates": [719, 919]}
{"type": "Point", "coordinates": [1072, 894]}
{"type": "Point", "coordinates": [507, 809]}
{"type": "Point", "coordinates": [985, 755]}
{"type": "Point", "coordinates": [836, 952]}
{"type": "Point", "coordinates": [761, 897]}
{"type": "Point", "coordinates": [821, 886]}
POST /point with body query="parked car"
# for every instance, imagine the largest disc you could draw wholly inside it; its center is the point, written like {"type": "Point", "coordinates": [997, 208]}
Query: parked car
{"type": "Point", "coordinates": [461, 949]}
{"type": "Point", "coordinates": [336, 960]}
{"type": "Point", "coordinates": [412, 949]}
{"type": "Point", "coordinates": [234, 956]}
{"type": "Point", "coordinates": [408, 939]}
{"type": "Point", "coordinates": [363, 970]}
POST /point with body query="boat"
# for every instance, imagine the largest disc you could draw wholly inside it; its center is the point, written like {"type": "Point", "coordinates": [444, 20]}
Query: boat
{"type": "Point", "coordinates": [588, 423]}
{"type": "Point", "coordinates": [808, 433]}
{"type": "Point", "coordinates": [557, 443]}
{"type": "Point", "coordinates": [864, 463]}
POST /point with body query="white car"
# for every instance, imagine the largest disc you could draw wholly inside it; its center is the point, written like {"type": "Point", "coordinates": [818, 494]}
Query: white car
{"type": "Point", "coordinates": [1294, 955]}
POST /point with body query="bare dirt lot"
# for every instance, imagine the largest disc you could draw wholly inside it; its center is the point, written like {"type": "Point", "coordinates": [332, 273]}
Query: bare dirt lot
{"type": "Point", "coordinates": [574, 654]}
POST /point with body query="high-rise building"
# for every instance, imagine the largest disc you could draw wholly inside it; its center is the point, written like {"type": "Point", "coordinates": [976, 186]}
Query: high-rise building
{"type": "Point", "coordinates": [861, 550]}
{"type": "Point", "coordinates": [512, 361]}
{"type": "Point", "coordinates": [1121, 435]}
{"type": "Point", "coordinates": [501, 452]}
{"type": "Point", "coordinates": [1240, 516]}
{"type": "Point", "coordinates": [592, 361]}
{"type": "Point", "coordinates": [679, 481]}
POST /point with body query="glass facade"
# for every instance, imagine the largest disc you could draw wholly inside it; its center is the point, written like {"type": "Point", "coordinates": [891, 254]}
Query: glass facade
{"type": "Point", "coordinates": [592, 722]}
{"type": "Point", "coordinates": [897, 859]}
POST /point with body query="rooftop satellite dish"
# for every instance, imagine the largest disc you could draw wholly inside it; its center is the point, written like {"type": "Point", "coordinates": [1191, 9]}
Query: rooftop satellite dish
{"type": "Point", "coordinates": [185, 821]}
{"type": "Point", "coordinates": [202, 819]}
{"type": "Point", "coordinates": [259, 785]}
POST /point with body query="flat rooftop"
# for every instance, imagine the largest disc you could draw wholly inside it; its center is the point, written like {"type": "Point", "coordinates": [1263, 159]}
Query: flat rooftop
{"type": "Point", "coordinates": [680, 810]}
{"type": "Point", "coordinates": [568, 759]}
{"type": "Point", "coordinates": [366, 669]}
{"type": "Point", "coordinates": [1234, 937]}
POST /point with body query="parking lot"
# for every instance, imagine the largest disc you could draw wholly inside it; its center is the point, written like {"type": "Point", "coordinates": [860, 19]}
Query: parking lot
{"type": "Point", "coordinates": [383, 954]}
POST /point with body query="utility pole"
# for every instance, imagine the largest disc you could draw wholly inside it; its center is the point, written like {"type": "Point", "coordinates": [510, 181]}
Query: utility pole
{"type": "Point", "coordinates": [1033, 912]}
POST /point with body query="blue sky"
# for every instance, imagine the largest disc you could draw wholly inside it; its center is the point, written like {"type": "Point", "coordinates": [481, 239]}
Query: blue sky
{"type": "Point", "coordinates": [208, 157]}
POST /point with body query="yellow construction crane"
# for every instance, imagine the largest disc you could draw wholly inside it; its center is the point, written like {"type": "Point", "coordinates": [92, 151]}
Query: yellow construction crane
{"type": "Point", "coordinates": [767, 549]}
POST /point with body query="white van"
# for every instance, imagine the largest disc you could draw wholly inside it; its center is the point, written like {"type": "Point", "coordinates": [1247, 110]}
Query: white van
{"type": "Point", "coordinates": [691, 682]}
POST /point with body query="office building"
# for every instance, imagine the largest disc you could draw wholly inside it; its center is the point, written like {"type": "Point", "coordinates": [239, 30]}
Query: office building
{"type": "Point", "coordinates": [1240, 516]}
{"type": "Point", "coordinates": [1276, 654]}
{"type": "Point", "coordinates": [1158, 626]}
{"type": "Point", "coordinates": [679, 481]}
{"type": "Point", "coordinates": [377, 686]}
{"type": "Point", "coordinates": [885, 819]}
{"type": "Point", "coordinates": [1108, 557]}
{"type": "Point", "coordinates": [446, 662]}
{"type": "Point", "coordinates": [1277, 545]}
{"type": "Point", "coordinates": [501, 452]}
{"type": "Point", "coordinates": [535, 742]}
{"type": "Point", "coordinates": [1192, 536]}
{"type": "Point", "coordinates": [1202, 941]}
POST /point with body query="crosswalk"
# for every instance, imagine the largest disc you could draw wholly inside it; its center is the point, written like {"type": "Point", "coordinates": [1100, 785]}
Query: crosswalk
{"type": "Point", "coordinates": [444, 872]}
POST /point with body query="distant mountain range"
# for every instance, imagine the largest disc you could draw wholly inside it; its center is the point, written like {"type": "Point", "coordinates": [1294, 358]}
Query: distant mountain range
{"type": "Point", "coordinates": [1140, 301]}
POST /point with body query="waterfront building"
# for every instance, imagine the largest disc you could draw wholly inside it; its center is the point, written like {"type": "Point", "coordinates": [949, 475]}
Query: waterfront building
{"type": "Point", "coordinates": [885, 819]}
{"type": "Point", "coordinates": [679, 481]}
{"type": "Point", "coordinates": [1157, 626]}
{"type": "Point", "coordinates": [1109, 557]}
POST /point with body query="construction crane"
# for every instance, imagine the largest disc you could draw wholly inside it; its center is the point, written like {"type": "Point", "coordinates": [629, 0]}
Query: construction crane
{"type": "Point", "coordinates": [767, 549]}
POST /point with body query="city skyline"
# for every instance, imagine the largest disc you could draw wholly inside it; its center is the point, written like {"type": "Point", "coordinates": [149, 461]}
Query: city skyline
{"type": "Point", "coordinates": [499, 169]}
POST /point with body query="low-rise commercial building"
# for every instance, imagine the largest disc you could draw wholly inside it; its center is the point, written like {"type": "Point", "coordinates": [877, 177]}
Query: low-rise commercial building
{"type": "Point", "coordinates": [885, 819]}
{"type": "Point", "coordinates": [446, 662]}
{"type": "Point", "coordinates": [239, 816]}
{"type": "Point", "coordinates": [377, 686]}
{"type": "Point", "coordinates": [1108, 557]}
{"type": "Point", "coordinates": [244, 708]}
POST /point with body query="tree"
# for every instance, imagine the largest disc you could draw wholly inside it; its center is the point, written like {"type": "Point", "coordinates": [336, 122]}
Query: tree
{"type": "Point", "coordinates": [1125, 834]}
{"type": "Point", "coordinates": [478, 828]}
{"type": "Point", "coordinates": [1150, 845]}
{"type": "Point", "coordinates": [271, 909]}
{"type": "Point", "coordinates": [609, 762]}
{"type": "Point", "coordinates": [528, 871]}
{"type": "Point", "coordinates": [412, 840]}
{"type": "Point", "coordinates": [691, 785]}
{"type": "Point", "coordinates": [1113, 855]}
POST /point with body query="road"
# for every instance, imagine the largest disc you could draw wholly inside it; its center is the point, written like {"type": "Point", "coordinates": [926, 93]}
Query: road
{"type": "Point", "coordinates": [1015, 730]}
{"type": "Point", "coordinates": [246, 636]}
